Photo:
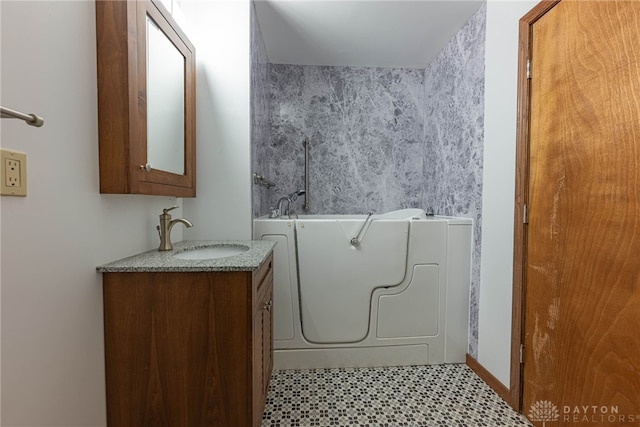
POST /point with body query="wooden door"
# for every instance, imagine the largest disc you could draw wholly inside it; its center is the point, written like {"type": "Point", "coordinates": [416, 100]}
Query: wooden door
{"type": "Point", "coordinates": [582, 287]}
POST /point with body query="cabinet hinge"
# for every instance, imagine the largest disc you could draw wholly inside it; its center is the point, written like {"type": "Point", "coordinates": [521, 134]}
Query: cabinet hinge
{"type": "Point", "coordinates": [525, 215]}
{"type": "Point", "coordinates": [521, 353]}
{"type": "Point", "coordinates": [528, 68]}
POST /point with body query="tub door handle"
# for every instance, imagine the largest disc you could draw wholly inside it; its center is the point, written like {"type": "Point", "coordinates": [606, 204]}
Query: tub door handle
{"type": "Point", "coordinates": [355, 241]}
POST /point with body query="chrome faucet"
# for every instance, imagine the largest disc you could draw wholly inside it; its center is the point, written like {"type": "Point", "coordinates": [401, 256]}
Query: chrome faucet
{"type": "Point", "coordinates": [279, 210]}
{"type": "Point", "coordinates": [164, 229]}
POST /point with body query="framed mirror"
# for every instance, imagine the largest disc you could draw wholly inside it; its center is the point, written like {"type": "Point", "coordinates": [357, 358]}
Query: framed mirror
{"type": "Point", "coordinates": [146, 100]}
{"type": "Point", "coordinates": [165, 102]}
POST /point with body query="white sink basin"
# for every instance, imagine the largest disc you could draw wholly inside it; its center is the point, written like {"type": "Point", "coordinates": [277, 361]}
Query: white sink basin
{"type": "Point", "coordinates": [212, 252]}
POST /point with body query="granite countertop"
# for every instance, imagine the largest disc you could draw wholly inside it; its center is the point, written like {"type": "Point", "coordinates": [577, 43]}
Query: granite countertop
{"type": "Point", "coordinates": [164, 261]}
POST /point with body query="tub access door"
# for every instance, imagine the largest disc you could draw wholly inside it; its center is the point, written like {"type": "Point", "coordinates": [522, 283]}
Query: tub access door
{"type": "Point", "coordinates": [337, 278]}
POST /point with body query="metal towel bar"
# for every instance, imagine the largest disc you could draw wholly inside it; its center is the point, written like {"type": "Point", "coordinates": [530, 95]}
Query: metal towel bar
{"type": "Point", "coordinates": [31, 119]}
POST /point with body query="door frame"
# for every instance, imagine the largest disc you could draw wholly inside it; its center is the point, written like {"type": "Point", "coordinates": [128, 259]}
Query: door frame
{"type": "Point", "coordinates": [525, 38]}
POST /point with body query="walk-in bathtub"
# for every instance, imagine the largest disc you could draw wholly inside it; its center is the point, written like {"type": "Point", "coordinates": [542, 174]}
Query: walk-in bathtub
{"type": "Point", "coordinates": [353, 291]}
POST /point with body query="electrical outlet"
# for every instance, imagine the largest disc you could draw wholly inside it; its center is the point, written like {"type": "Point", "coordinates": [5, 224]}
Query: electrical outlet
{"type": "Point", "coordinates": [14, 173]}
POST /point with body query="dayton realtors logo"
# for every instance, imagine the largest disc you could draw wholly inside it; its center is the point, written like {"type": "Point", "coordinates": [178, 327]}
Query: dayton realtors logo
{"type": "Point", "coordinates": [546, 411]}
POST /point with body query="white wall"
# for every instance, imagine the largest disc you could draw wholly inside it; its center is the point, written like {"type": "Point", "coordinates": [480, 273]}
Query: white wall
{"type": "Point", "coordinates": [501, 65]}
{"type": "Point", "coordinates": [52, 240]}
{"type": "Point", "coordinates": [220, 31]}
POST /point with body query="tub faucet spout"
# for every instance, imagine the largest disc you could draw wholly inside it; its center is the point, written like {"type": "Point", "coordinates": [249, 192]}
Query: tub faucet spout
{"type": "Point", "coordinates": [164, 229]}
{"type": "Point", "coordinates": [280, 210]}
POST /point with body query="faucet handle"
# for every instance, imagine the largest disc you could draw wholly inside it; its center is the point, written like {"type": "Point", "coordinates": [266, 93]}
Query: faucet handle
{"type": "Point", "coordinates": [165, 211]}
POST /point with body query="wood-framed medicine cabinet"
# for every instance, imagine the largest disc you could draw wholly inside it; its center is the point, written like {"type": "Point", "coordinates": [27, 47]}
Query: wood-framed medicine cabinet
{"type": "Point", "coordinates": [146, 100]}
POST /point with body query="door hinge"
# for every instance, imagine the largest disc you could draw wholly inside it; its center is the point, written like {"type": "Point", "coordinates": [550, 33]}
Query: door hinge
{"type": "Point", "coordinates": [525, 215]}
{"type": "Point", "coordinates": [528, 68]}
{"type": "Point", "coordinates": [521, 353]}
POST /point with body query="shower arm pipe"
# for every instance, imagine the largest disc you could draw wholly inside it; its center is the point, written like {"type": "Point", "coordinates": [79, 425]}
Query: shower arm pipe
{"type": "Point", "coordinates": [262, 180]}
{"type": "Point", "coordinates": [31, 119]}
{"type": "Point", "coordinates": [305, 207]}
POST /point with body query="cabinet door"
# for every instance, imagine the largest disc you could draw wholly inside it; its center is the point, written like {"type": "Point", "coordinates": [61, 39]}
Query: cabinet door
{"type": "Point", "coordinates": [177, 349]}
{"type": "Point", "coordinates": [267, 339]}
{"type": "Point", "coordinates": [140, 134]}
{"type": "Point", "coordinates": [262, 296]}
{"type": "Point", "coordinates": [262, 349]}
{"type": "Point", "coordinates": [258, 365]}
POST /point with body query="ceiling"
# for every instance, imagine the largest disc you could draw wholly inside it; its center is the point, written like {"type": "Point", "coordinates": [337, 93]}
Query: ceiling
{"type": "Point", "coordinates": [360, 33]}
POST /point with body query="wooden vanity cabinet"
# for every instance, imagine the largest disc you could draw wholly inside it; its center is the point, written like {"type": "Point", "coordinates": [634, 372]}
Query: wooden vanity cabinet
{"type": "Point", "coordinates": [188, 348]}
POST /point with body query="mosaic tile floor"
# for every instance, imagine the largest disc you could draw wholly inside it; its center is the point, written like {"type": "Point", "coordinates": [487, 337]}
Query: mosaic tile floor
{"type": "Point", "coordinates": [435, 395]}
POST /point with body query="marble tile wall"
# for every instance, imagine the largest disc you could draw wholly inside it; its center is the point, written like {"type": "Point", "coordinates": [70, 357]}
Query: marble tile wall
{"type": "Point", "coordinates": [454, 138]}
{"type": "Point", "coordinates": [259, 104]}
{"type": "Point", "coordinates": [365, 129]}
